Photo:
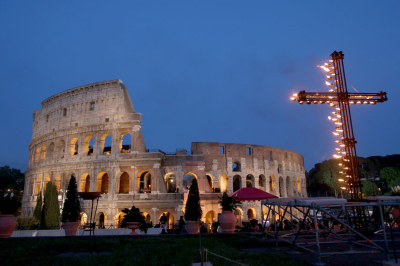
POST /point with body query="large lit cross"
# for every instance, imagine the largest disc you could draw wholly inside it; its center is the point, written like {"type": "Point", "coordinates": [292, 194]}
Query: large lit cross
{"type": "Point", "coordinates": [340, 99]}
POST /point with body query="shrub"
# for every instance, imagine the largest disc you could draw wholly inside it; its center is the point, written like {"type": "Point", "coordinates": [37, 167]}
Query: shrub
{"type": "Point", "coordinates": [228, 203]}
{"type": "Point", "coordinates": [37, 213]}
{"type": "Point", "coordinates": [72, 207]}
{"type": "Point", "coordinates": [30, 223]}
{"type": "Point", "coordinates": [193, 209]}
{"type": "Point", "coordinates": [134, 215]}
{"type": "Point", "coordinates": [50, 207]}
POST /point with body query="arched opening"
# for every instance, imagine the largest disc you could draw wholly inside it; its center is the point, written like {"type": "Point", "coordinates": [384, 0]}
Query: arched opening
{"type": "Point", "coordinates": [60, 149]}
{"type": "Point", "coordinates": [265, 213]}
{"type": "Point", "coordinates": [281, 187]}
{"type": "Point", "coordinates": [125, 141]}
{"type": "Point", "coordinates": [147, 217]}
{"type": "Point", "coordinates": [288, 188]}
{"type": "Point", "coordinates": [145, 182]}
{"type": "Point", "coordinates": [170, 181]}
{"type": "Point", "coordinates": [280, 169]}
{"type": "Point", "coordinates": [37, 155]}
{"type": "Point", "coordinates": [251, 214]}
{"type": "Point", "coordinates": [73, 146]}
{"type": "Point", "coordinates": [102, 183]}
{"type": "Point", "coordinates": [261, 182]}
{"type": "Point", "coordinates": [223, 183]}
{"type": "Point", "coordinates": [118, 219]}
{"type": "Point", "coordinates": [187, 179]}
{"type": "Point", "coordinates": [84, 183]}
{"type": "Point", "coordinates": [101, 220]}
{"type": "Point", "coordinates": [236, 167]}
{"type": "Point", "coordinates": [298, 186]}
{"type": "Point", "coordinates": [50, 151]}
{"type": "Point", "coordinates": [209, 182]}
{"type": "Point", "coordinates": [211, 217]}
{"type": "Point", "coordinates": [83, 218]}
{"type": "Point", "coordinates": [272, 183]}
{"type": "Point", "coordinates": [170, 220]}
{"type": "Point", "coordinates": [249, 181]}
{"type": "Point", "coordinates": [46, 180]}
{"type": "Point", "coordinates": [31, 188]}
{"type": "Point", "coordinates": [237, 182]}
{"type": "Point", "coordinates": [88, 146]}
{"type": "Point", "coordinates": [105, 144]}
{"type": "Point", "coordinates": [124, 183]}
{"type": "Point", "coordinates": [38, 182]}
{"type": "Point", "coordinates": [239, 216]}
{"type": "Point", "coordinates": [43, 153]}
{"type": "Point", "coordinates": [57, 183]}
{"type": "Point", "coordinates": [294, 185]}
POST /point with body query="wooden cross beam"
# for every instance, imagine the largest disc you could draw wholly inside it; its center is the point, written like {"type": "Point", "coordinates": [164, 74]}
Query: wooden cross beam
{"type": "Point", "coordinates": [339, 98]}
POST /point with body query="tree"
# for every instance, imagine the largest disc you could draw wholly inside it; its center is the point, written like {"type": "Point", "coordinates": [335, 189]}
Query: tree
{"type": "Point", "coordinates": [193, 211]}
{"type": "Point", "coordinates": [37, 213]}
{"type": "Point", "coordinates": [391, 175]}
{"type": "Point", "coordinates": [72, 207]}
{"type": "Point", "coordinates": [369, 188]}
{"type": "Point", "coordinates": [50, 207]}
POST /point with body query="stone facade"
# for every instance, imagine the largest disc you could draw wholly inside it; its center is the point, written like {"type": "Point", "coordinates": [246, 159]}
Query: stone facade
{"type": "Point", "coordinates": [93, 133]}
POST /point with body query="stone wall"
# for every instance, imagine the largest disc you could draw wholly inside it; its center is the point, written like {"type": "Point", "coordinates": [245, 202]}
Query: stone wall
{"type": "Point", "coordinates": [86, 131]}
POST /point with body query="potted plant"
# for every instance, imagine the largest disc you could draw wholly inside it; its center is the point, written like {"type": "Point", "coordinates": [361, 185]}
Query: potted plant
{"type": "Point", "coordinates": [134, 219]}
{"type": "Point", "coordinates": [72, 209]}
{"type": "Point", "coordinates": [193, 211]}
{"type": "Point", "coordinates": [8, 221]}
{"type": "Point", "coordinates": [227, 219]}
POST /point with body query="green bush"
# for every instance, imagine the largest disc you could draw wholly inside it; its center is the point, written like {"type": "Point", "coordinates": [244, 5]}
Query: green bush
{"type": "Point", "coordinates": [51, 211]}
{"type": "Point", "coordinates": [30, 223]}
{"type": "Point", "coordinates": [72, 207]}
{"type": "Point", "coordinates": [193, 211]}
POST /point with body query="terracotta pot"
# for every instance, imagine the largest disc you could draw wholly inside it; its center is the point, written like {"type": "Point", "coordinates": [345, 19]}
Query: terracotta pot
{"type": "Point", "coordinates": [192, 227]}
{"type": "Point", "coordinates": [396, 215]}
{"type": "Point", "coordinates": [227, 221]}
{"type": "Point", "coordinates": [70, 228]}
{"type": "Point", "coordinates": [7, 225]}
{"type": "Point", "coordinates": [133, 226]}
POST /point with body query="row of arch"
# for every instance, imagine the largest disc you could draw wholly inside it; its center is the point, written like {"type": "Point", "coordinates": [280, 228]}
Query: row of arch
{"type": "Point", "coordinates": [57, 151]}
{"type": "Point", "coordinates": [123, 183]}
{"type": "Point", "coordinates": [103, 221]}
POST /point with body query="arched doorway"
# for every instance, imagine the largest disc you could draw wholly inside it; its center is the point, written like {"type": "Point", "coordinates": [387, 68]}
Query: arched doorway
{"type": "Point", "coordinates": [147, 217]}
{"type": "Point", "coordinates": [102, 183]}
{"type": "Point", "coordinates": [101, 220]}
{"type": "Point", "coordinates": [84, 183]}
{"type": "Point", "coordinates": [239, 216]}
{"type": "Point", "coordinates": [125, 141]}
{"type": "Point", "coordinates": [261, 182]}
{"type": "Point", "coordinates": [170, 219]}
{"type": "Point", "coordinates": [170, 182]}
{"type": "Point", "coordinates": [223, 182]}
{"type": "Point", "coordinates": [124, 183]}
{"type": "Point", "coordinates": [272, 183]}
{"type": "Point", "coordinates": [237, 182]}
{"type": "Point", "coordinates": [83, 218]}
{"type": "Point", "coordinates": [249, 181]}
{"type": "Point", "coordinates": [251, 214]}
{"type": "Point", "coordinates": [187, 179]}
{"type": "Point", "coordinates": [211, 217]}
{"type": "Point", "coordinates": [118, 219]}
{"type": "Point", "coordinates": [281, 187]}
{"type": "Point", "coordinates": [209, 181]}
{"type": "Point", "coordinates": [145, 182]}
{"type": "Point", "coordinates": [289, 191]}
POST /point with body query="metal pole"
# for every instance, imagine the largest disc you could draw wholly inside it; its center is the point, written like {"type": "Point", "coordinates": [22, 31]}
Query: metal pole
{"type": "Point", "coordinates": [384, 234]}
{"type": "Point", "coordinates": [316, 233]}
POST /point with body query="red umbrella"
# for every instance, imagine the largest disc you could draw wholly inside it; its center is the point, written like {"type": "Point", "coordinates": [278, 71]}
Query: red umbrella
{"type": "Point", "coordinates": [251, 194]}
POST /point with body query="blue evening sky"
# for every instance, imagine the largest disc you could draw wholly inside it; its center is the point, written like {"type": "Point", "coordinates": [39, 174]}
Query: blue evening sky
{"type": "Point", "coordinates": [220, 71]}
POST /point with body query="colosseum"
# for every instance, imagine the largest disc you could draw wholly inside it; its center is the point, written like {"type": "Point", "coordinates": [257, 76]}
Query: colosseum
{"type": "Point", "coordinates": [93, 133]}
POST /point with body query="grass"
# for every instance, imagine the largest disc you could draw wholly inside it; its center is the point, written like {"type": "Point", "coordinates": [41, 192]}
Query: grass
{"type": "Point", "coordinates": [127, 250]}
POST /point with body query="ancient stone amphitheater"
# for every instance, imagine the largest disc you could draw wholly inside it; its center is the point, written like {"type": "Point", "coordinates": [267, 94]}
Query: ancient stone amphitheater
{"type": "Point", "coordinates": [93, 133]}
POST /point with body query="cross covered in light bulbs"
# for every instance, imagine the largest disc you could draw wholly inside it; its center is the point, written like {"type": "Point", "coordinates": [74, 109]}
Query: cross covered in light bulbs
{"type": "Point", "coordinates": [340, 99]}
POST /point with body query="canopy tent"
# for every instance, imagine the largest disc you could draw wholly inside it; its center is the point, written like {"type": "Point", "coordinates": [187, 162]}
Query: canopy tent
{"type": "Point", "coordinates": [251, 194]}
